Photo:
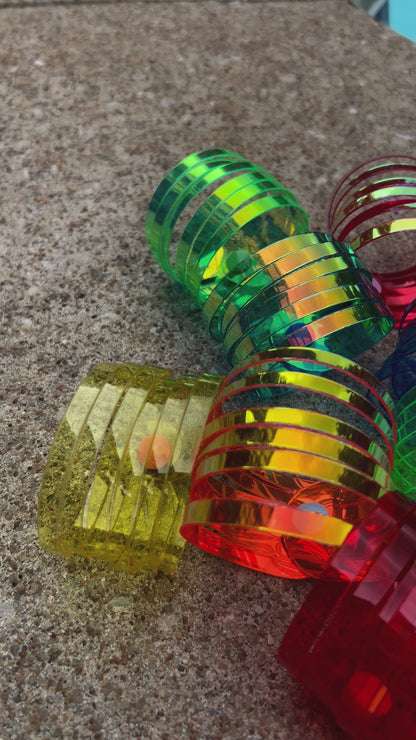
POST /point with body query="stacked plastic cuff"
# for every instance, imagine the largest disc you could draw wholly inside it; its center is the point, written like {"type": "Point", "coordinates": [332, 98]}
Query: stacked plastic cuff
{"type": "Point", "coordinates": [307, 290]}
{"type": "Point", "coordinates": [294, 433]}
{"type": "Point", "coordinates": [377, 201]}
{"type": "Point", "coordinates": [243, 253]}
{"type": "Point", "coordinates": [247, 210]}
{"type": "Point", "coordinates": [118, 473]}
{"type": "Point", "coordinates": [353, 643]}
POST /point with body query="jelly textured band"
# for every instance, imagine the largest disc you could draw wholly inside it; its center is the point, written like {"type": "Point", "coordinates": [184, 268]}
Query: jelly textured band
{"type": "Point", "coordinates": [118, 473]}
{"type": "Point", "coordinates": [297, 427]}
{"type": "Point", "coordinates": [377, 199]}
{"type": "Point", "coordinates": [353, 642]}
{"type": "Point", "coordinates": [259, 278]}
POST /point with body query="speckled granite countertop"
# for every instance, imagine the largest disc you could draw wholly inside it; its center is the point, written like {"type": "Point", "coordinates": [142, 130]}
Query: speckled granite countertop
{"type": "Point", "coordinates": [97, 103]}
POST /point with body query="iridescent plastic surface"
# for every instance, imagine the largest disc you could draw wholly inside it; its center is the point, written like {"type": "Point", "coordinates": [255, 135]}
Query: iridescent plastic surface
{"type": "Point", "coordinates": [245, 208]}
{"type": "Point", "coordinates": [243, 253]}
{"type": "Point", "coordinates": [375, 201]}
{"type": "Point", "coordinates": [404, 469]}
{"type": "Point", "coordinates": [118, 473]}
{"type": "Point", "coordinates": [304, 290]}
{"type": "Point", "coordinates": [399, 370]}
{"type": "Point", "coordinates": [292, 427]}
{"type": "Point", "coordinates": [353, 642]}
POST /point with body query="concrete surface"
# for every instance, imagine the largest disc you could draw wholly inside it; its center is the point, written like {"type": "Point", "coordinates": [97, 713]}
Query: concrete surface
{"type": "Point", "coordinates": [40, 3]}
{"type": "Point", "coordinates": [97, 103]}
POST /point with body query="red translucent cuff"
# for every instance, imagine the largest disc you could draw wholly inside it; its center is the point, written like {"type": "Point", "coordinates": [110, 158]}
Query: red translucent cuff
{"type": "Point", "coordinates": [298, 429]}
{"type": "Point", "coordinates": [353, 642]}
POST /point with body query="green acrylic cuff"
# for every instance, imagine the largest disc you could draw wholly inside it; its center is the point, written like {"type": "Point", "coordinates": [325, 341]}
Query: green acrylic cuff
{"type": "Point", "coordinates": [237, 239]}
{"type": "Point", "coordinates": [404, 469]}
{"type": "Point", "coordinates": [247, 210]}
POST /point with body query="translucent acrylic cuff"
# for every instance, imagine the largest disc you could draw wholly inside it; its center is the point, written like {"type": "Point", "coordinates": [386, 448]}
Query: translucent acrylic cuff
{"type": "Point", "coordinates": [243, 253]}
{"type": "Point", "coordinates": [375, 204]}
{"type": "Point", "coordinates": [118, 473]}
{"type": "Point", "coordinates": [353, 642]}
{"type": "Point", "coordinates": [296, 427]}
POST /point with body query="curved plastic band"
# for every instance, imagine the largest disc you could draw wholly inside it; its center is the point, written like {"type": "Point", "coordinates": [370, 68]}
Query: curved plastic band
{"type": "Point", "coordinates": [298, 285]}
{"type": "Point", "coordinates": [218, 526]}
{"type": "Point", "coordinates": [189, 179]}
{"type": "Point", "coordinates": [304, 310]}
{"type": "Point", "coordinates": [244, 248]}
{"type": "Point", "coordinates": [347, 330]}
{"type": "Point", "coordinates": [264, 423]}
{"type": "Point", "coordinates": [322, 443]}
{"type": "Point", "coordinates": [376, 200]}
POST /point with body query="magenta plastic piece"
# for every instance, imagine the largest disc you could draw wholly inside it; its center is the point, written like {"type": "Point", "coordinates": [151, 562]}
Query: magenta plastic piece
{"type": "Point", "coordinates": [353, 642]}
{"type": "Point", "coordinates": [375, 204]}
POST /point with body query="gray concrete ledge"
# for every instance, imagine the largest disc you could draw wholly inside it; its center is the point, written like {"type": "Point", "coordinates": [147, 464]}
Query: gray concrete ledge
{"type": "Point", "coordinates": [42, 3]}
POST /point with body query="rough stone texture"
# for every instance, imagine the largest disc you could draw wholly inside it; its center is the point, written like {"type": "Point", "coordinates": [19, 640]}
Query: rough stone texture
{"type": "Point", "coordinates": [97, 104]}
{"type": "Point", "coordinates": [39, 3]}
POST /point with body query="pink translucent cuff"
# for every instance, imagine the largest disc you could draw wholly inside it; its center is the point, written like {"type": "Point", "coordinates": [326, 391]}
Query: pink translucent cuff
{"type": "Point", "coordinates": [374, 204]}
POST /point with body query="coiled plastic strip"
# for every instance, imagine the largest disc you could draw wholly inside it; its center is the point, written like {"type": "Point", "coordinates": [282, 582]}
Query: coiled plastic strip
{"type": "Point", "coordinates": [297, 427]}
{"type": "Point", "coordinates": [377, 200]}
{"type": "Point", "coordinates": [243, 253]}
